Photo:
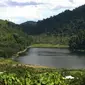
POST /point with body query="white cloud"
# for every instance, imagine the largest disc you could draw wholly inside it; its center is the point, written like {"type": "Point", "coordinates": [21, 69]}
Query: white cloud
{"type": "Point", "coordinates": [31, 11]}
{"type": "Point", "coordinates": [79, 2]}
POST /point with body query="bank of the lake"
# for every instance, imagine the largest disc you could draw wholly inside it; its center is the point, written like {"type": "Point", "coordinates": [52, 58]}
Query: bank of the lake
{"type": "Point", "coordinates": [8, 61]}
{"type": "Point", "coordinates": [48, 46]}
{"type": "Point", "coordinates": [11, 62]}
{"type": "Point", "coordinates": [40, 46]}
{"type": "Point", "coordinates": [53, 57]}
{"type": "Point", "coordinates": [22, 52]}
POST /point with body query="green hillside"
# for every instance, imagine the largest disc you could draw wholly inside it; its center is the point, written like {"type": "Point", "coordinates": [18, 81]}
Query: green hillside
{"type": "Point", "coordinates": [12, 39]}
{"type": "Point", "coordinates": [67, 22]}
{"type": "Point", "coordinates": [29, 27]}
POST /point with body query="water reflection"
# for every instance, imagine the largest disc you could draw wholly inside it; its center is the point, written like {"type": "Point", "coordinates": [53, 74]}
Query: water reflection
{"type": "Point", "coordinates": [60, 58]}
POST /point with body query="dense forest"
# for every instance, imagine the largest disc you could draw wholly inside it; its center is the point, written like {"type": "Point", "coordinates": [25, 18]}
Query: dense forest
{"type": "Point", "coordinates": [67, 28]}
{"type": "Point", "coordinates": [67, 23]}
{"type": "Point", "coordinates": [77, 42]}
{"type": "Point", "coordinates": [12, 39]}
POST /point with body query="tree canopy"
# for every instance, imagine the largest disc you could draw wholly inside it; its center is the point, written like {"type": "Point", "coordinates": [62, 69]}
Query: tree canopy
{"type": "Point", "coordinates": [67, 22]}
{"type": "Point", "coordinates": [77, 42]}
{"type": "Point", "coordinates": [12, 39]}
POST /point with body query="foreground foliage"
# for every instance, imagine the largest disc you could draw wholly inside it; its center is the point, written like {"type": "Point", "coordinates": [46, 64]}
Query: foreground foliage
{"type": "Point", "coordinates": [18, 74]}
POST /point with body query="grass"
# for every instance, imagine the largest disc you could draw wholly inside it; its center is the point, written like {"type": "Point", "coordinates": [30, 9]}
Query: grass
{"type": "Point", "coordinates": [49, 45]}
{"type": "Point", "coordinates": [11, 62]}
{"type": "Point", "coordinates": [7, 61]}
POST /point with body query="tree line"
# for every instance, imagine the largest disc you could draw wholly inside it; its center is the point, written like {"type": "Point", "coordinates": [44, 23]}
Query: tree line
{"type": "Point", "coordinates": [77, 42]}
{"type": "Point", "coordinates": [12, 39]}
{"type": "Point", "coordinates": [67, 22]}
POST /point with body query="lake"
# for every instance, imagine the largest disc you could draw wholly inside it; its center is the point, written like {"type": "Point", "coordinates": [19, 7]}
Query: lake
{"type": "Point", "coordinates": [53, 57]}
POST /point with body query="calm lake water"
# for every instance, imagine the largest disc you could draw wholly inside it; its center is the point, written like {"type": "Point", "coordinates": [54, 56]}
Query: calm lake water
{"type": "Point", "coordinates": [54, 57]}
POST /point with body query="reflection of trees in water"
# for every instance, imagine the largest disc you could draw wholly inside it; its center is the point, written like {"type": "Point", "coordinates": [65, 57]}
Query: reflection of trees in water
{"type": "Point", "coordinates": [78, 54]}
{"type": "Point", "coordinates": [49, 53]}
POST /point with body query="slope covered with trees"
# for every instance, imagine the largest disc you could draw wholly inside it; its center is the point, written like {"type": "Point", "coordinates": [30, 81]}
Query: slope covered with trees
{"type": "Point", "coordinates": [77, 42]}
{"type": "Point", "coordinates": [12, 39]}
{"type": "Point", "coordinates": [67, 22]}
{"type": "Point", "coordinates": [29, 27]}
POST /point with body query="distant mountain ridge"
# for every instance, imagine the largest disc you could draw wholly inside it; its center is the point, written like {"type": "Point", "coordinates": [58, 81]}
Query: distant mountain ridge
{"type": "Point", "coordinates": [29, 22]}
{"type": "Point", "coordinates": [28, 26]}
{"type": "Point", "coordinates": [67, 22]}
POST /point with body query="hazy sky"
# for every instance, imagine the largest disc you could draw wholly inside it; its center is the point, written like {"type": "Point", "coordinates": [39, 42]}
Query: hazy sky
{"type": "Point", "coordinates": [20, 11]}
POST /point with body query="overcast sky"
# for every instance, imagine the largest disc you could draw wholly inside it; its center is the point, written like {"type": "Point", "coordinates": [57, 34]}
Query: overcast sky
{"type": "Point", "coordinates": [19, 11]}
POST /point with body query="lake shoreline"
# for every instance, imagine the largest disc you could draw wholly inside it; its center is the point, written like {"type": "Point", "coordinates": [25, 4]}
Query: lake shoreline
{"type": "Point", "coordinates": [48, 46]}
{"type": "Point", "coordinates": [11, 62]}
{"type": "Point", "coordinates": [40, 46]}
{"type": "Point", "coordinates": [22, 52]}
{"type": "Point", "coordinates": [55, 57]}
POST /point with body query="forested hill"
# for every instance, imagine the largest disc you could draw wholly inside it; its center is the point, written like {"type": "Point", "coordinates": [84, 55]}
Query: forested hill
{"type": "Point", "coordinates": [28, 27]}
{"type": "Point", "coordinates": [12, 39]}
{"type": "Point", "coordinates": [67, 22]}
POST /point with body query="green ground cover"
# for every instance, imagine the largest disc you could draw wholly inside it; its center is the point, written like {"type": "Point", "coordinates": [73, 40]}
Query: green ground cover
{"type": "Point", "coordinates": [50, 45]}
{"type": "Point", "coordinates": [18, 74]}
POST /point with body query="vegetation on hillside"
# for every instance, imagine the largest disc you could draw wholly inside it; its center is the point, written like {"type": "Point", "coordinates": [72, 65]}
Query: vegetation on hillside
{"type": "Point", "coordinates": [67, 23]}
{"type": "Point", "coordinates": [12, 39]}
{"type": "Point", "coordinates": [50, 39]}
{"type": "Point", "coordinates": [28, 27]}
{"type": "Point", "coordinates": [77, 42]}
{"type": "Point", "coordinates": [59, 29]}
